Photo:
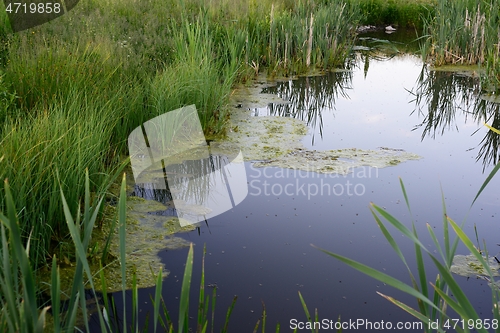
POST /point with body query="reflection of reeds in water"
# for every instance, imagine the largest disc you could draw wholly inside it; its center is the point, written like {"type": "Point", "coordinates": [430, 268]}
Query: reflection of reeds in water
{"type": "Point", "coordinates": [462, 32]}
{"type": "Point", "coordinates": [183, 181]}
{"type": "Point", "coordinates": [308, 96]}
{"type": "Point", "coordinates": [489, 150]}
{"type": "Point", "coordinates": [187, 177]}
{"type": "Point", "coordinates": [440, 95]}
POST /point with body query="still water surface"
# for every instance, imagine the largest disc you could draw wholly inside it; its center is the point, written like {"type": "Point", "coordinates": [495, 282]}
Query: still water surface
{"type": "Point", "coordinates": [261, 249]}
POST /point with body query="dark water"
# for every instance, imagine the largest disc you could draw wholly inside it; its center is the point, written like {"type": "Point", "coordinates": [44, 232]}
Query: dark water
{"type": "Point", "coordinates": [261, 249]}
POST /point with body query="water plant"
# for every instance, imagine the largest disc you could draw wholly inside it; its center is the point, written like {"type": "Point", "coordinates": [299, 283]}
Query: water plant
{"type": "Point", "coordinates": [24, 308]}
{"type": "Point", "coordinates": [464, 32]}
{"type": "Point", "coordinates": [445, 293]}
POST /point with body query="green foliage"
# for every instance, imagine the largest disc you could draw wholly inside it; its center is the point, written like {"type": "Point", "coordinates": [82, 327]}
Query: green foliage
{"type": "Point", "coordinates": [404, 13]}
{"type": "Point", "coordinates": [462, 32]}
{"type": "Point", "coordinates": [19, 308]}
{"type": "Point", "coordinates": [19, 311]}
{"type": "Point", "coordinates": [74, 88]}
{"type": "Point", "coordinates": [447, 292]}
{"type": "Point", "coordinates": [465, 32]}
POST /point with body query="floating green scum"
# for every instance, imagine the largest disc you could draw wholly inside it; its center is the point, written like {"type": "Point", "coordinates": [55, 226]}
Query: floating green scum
{"type": "Point", "coordinates": [276, 141]}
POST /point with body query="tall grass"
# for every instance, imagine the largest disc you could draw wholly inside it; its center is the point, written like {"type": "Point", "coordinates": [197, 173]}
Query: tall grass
{"type": "Point", "coordinates": [20, 308]}
{"type": "Point", "coordinates": [462, 31]}
{"type": "Point", "coordinates": [35, 148]}
{"type": "Point", "coordinates": [74, 88]}
{"type": "Point", "coordinates": [444, 293]}
{"type": "Point", "coordinates": [491, 81]}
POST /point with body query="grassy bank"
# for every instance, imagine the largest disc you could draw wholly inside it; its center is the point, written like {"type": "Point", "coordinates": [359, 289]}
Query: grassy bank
{"type": "Point", "coordinates": [465, 32]}
{"type": "Point", "coordinates": [402, 13]}
{"type": "Point", "coordinates": [73, 89]}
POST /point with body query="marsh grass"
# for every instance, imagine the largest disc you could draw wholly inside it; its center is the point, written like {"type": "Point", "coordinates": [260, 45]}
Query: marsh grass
{"type": "Point", "coordinates": [21, 309]}
{"type": "Point", "coordinates": [462, 32]}
{"type": "Point", "coordinates": [316, 35]}
{"type": "Point", "coordinates": [445, 292]}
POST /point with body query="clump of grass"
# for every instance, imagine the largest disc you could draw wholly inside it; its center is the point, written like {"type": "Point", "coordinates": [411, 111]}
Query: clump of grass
{"type": "Point", "coordinates": [491, 81]}
{"type": "Point", "coordinates": [462, 32]}
{"type": "Point", "coordinates": [62, 139]}
{"type": "Point", "coordinates": [7, 100]}
{"type": "Point", "coordinates": [311, 35]}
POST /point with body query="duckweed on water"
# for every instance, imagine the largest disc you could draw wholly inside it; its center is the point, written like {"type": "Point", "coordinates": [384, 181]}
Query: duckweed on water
{"type": "Point", "coordinates": [469, 266]}
{"type": "Point", "coordinates": [147, 235]}
{"type": "Point", "coordinates": [276, 141]}
{"type": "Point", "coordinates": [340, 161]}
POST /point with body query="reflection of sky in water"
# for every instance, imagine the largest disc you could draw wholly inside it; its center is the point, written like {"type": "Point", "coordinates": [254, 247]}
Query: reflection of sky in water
{"type": "Point", "coordinates": [260, 250]}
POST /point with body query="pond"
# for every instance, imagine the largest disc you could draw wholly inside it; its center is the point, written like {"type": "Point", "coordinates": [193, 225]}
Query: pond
{"type": "Point", "coordinates": [260, 250]}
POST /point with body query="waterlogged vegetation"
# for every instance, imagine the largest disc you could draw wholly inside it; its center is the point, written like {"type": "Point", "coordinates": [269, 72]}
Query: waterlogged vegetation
{"type": "Point", "coordinates": [68, 104]}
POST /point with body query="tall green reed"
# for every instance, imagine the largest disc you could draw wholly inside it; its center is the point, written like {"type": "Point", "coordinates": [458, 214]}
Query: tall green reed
{"type": "Point", "coordinates": [309, 36]}
{"type": "Point", "coordinates": [21, 309]}
{"type": "Point", "coordinates": [445, 293]}
{"type": "Point", "coordinates": [462, 32]}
